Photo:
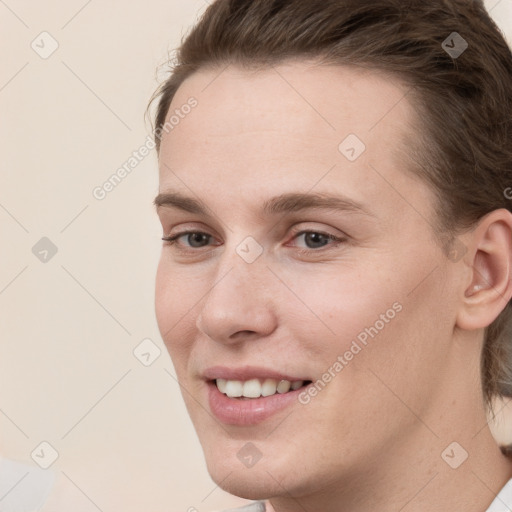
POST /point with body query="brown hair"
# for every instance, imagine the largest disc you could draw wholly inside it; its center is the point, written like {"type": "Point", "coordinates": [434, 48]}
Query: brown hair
{"type": "Point", "coordinates": [463, 147]}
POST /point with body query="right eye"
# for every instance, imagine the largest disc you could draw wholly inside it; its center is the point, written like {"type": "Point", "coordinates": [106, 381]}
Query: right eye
{"type": "Point", "coordinates": [194, 239]}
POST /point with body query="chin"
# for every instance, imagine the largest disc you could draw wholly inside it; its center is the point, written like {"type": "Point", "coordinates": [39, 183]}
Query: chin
{"type": "Point", "coordinates": [267, 478]}
{"type": "Point", "coordinates": [250, 484]}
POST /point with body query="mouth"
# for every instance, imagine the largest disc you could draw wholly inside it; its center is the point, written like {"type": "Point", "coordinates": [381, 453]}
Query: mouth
{"type": "Point", "coordinates": [256, 388]}
{"type": "Point", "coordinates": [250, 396]}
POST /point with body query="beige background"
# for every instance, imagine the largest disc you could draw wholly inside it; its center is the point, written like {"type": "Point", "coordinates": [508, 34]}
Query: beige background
{"type": "Point", "coordinates": [68, 374]}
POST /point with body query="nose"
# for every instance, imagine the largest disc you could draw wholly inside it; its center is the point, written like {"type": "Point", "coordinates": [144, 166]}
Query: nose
{"type": "Point", "coordinates": [240, 303]}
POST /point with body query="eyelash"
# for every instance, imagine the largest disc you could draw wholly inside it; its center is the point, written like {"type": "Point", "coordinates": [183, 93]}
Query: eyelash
{"type": "Point", "coordinates": [173, 240]}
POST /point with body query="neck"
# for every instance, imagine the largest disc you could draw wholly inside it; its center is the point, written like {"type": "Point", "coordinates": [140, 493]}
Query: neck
{"type": "Point", "coordinates": [415, 471]}
{"type": "Point", "coordinates": [422, 469]}
{"type": "Point", "coordinates": [417, 479]}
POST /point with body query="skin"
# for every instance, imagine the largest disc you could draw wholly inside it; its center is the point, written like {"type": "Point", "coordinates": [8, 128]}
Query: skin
{"type": "Point", "coordinates": [373, 438]}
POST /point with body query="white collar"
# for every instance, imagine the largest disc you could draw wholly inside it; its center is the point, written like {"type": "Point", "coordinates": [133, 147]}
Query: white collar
{"type": "Point", "coordinates": [503, 501]}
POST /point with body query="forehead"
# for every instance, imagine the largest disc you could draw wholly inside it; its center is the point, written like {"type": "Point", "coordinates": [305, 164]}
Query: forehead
{"type": "Point", "coordinates": [298, 124]}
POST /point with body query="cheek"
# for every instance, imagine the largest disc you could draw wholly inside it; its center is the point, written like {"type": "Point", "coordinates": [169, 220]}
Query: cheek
{"type": "Point", "coordinates": [388, 341]}
{"type": "Point", "coordinates": [174, 301]}
{"type": "Point", "coordinates": [164, 301]}
{"type": "Point", "coordinates": [177, 289]}
{"type": "Point", "coordinates": [342, 305]}
{"type": "Point", "coordinates": [370, 320]}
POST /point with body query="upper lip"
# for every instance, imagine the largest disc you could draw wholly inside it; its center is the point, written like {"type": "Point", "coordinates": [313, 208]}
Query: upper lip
{"type": "Point", "coordinates": [246, 373]}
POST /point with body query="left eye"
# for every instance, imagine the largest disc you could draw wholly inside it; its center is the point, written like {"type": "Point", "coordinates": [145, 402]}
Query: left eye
{"type": "Point", "coordinates": [315, 239]}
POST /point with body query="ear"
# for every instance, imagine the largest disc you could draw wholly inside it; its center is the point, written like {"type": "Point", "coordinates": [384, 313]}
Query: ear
{"type": "Point", "coordinates": [488, 285]}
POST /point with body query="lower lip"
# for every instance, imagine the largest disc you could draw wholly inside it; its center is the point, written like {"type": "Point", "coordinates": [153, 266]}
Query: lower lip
{"type": "Point", "coordinates": [233, 411]}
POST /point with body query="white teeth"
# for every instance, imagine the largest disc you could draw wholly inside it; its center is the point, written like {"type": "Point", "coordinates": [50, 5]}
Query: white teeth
{"type": "Point", "coordinates": [234, 388]}
{"type": "Point", "coordinates": [284, 386]}
{"type": "Point", "coordinates": [269, 387]}
{"type": "Point", "coordinates": [254, 388]}
{"type": "Point", "coordinates": [221, 384]}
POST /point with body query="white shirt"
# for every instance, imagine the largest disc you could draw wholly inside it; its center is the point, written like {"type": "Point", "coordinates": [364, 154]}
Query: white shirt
{"type": "Point", "coordinates": [503, 502]}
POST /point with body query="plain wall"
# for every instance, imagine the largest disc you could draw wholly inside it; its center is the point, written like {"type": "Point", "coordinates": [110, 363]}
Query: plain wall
{"type": "Point", "coordinates": [69, 325]}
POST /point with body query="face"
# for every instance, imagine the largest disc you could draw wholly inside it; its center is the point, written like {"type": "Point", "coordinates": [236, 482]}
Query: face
{"type": "Point", "coordinates": [302, 272]}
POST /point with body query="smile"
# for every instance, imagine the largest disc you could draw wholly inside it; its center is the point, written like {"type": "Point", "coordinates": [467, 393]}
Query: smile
{"type": "Point", "coordinates": [250, 395]}
{"type": "Point", "coordinates": [256, 388]}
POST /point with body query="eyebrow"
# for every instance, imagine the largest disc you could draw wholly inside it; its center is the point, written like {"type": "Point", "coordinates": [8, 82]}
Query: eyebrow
{"type": "Point", "coordinates": [284, 203]}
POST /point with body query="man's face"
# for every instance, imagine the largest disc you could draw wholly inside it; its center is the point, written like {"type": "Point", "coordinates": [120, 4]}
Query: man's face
{"type": "Point", "coordinates": [351, 298]}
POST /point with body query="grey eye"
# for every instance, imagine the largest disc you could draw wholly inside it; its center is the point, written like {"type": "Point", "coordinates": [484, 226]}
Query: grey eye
{"type": "Point", "coordinates": [315, 240]}
{"type": "Point", "coordinates": [198, 239]}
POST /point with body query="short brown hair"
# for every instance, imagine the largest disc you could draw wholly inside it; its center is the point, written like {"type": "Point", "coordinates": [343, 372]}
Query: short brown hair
{"type": "Point", "coordinates": [463, 147]}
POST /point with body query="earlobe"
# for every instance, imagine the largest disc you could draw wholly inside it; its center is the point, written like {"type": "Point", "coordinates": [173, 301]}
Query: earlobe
{"type": "Point", "coordinates": [490, 286]}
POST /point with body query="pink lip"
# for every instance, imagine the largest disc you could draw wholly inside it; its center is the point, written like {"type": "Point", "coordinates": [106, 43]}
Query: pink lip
{"type": "Point", "coordinates": [246, 373]}
{"type": "Point", "coordinates": [234, 411]}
